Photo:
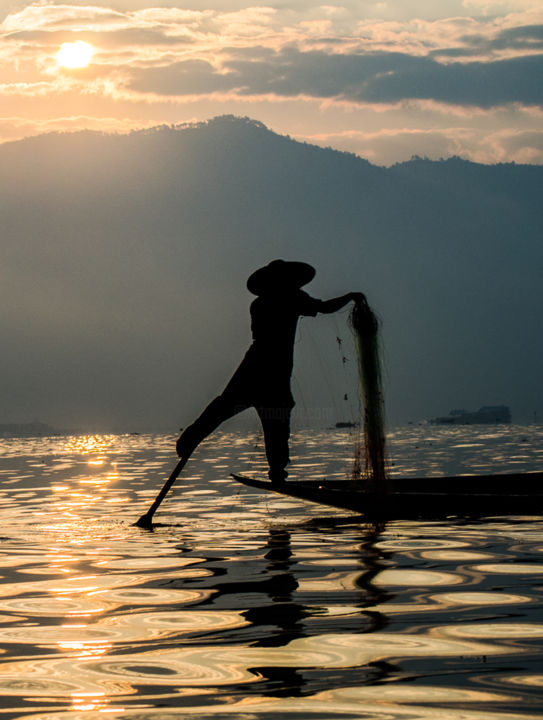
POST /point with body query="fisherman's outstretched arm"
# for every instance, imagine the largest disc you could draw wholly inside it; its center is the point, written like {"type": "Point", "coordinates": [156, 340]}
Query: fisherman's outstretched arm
{"type": "Point", "coordinates": [335, 304]}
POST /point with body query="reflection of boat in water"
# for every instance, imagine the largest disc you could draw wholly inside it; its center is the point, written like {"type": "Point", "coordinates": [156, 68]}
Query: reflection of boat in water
{"type": "Point", "coordinates": [487, 415]}
{"type": "Point", "coordinates": [463, 495]}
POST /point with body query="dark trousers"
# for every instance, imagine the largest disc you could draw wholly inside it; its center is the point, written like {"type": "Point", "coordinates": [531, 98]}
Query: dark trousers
{"type": "Point", "coordinates": [275, 424]}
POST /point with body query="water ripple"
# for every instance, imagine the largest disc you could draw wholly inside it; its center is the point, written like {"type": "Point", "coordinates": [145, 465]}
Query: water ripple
{"type": "Point", "coordinates": [252, 606]}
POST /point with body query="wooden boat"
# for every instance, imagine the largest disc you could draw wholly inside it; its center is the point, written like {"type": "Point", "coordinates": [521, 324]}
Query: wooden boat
{"type": "Point", "coordinates": [437, 497]}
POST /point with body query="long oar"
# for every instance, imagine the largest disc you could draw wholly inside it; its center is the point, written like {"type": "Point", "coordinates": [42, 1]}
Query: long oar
{"type": "Point", "coordinates": [146, 520]}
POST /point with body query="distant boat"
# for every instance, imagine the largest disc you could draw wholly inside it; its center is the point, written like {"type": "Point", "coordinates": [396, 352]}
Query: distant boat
{"type": "Point", "coordinates": [347, 424]}
{"type": "Point", "coordinates": [487, 415]}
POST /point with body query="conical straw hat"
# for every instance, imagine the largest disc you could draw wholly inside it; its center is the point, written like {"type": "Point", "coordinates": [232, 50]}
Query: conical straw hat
{"type": "Point", "coordinates": [280, 274]}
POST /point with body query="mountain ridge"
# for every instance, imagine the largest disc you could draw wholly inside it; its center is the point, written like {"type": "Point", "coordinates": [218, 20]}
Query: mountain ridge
{"type": "Point", "coordinates": [246, 122]}
{"type": "Point", "coordinates": [125, 260]}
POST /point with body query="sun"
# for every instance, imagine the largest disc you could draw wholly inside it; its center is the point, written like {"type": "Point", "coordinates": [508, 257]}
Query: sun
{"type": "Point", "coordinates": [76, 54]}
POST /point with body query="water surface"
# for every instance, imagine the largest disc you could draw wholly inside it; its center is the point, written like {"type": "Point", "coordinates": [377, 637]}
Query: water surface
{"type": "Point", "coordinates": [249, 605]}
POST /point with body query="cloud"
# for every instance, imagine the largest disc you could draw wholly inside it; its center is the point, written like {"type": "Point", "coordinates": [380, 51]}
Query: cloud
{"type": "Point", "coordinates": [528, 37]}
{"type": "Point", "coordinates": [43, 16]}
{"type": "Point", "coordinates": [370, 78]}
{"type": "Point", "coordinates": [519, 146]}
{"type": "Point", "coordinates": [354, 25]}
{"type": "Point", "coordinates": [393, 145]}
{"type": "Point", "coordinates": [191, 77]}
{"type": "Point", "coordinates": [321, 53]}
{"type": "Point", "coordinates": [495, 7]}
{"type": "Point", "coordinates": [504, 44]}
{"type": "Point", "coordinates": [480, 84]}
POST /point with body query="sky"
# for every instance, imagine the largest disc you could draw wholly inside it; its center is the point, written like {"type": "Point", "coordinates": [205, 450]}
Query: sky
{"type": "Point", "coordinates": [385, 80]}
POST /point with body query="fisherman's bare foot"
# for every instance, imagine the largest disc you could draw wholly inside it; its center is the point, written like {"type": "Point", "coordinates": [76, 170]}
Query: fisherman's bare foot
{"type": "Point", "coordinates": [278, 477]}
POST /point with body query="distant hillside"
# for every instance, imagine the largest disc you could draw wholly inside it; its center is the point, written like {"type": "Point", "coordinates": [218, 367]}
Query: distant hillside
{"type": "Point", "coordinates": [122, 289]}
{"type": "Point", "coordinates": [24, 430]}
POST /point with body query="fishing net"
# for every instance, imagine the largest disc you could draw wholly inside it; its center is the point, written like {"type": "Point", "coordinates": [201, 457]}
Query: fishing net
{"type": "Point", "coordinates": [369, 464]}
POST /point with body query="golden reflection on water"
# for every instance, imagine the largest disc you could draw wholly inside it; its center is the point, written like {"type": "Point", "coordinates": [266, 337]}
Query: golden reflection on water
{"type": "Point", "coordinates": [224, 665]}
{"type": "Point", "coordinates": [83, 444]}
{"type": "Point", "coordinates": [416, 578]}
{"type": "Point", "coordinates": [252, 605]}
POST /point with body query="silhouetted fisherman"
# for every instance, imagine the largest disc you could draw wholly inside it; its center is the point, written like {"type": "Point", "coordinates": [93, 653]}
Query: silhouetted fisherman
{"type": "Point", "coordinates": [262, 380]}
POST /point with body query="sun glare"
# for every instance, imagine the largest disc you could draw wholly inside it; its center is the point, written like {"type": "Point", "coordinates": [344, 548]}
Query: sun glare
{"type": "Point", "coordinates": [76, 54]}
